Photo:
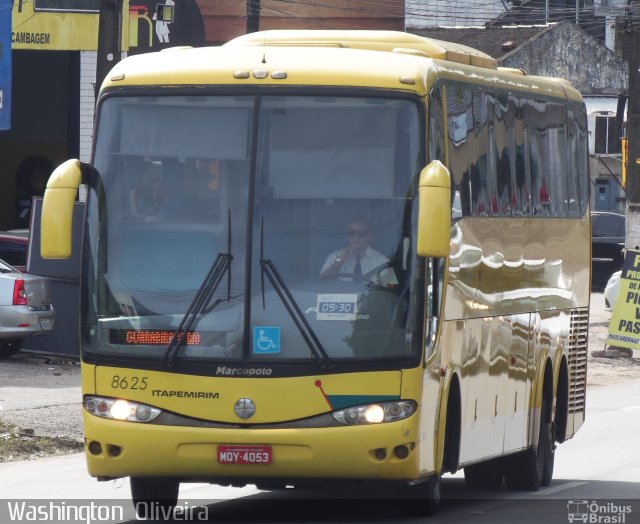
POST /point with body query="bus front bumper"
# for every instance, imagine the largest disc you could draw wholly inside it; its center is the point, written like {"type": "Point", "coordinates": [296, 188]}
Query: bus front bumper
{"type": "Point", "coordinates": [386, 451]}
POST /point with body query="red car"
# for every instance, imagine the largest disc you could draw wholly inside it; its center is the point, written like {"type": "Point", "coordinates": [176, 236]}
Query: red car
{"type": "Point", "coordinates": [13, 248]}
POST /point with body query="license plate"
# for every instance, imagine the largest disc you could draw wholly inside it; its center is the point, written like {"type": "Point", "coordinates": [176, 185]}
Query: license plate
{"type": "Point", "coordinates": [244, 454]}
{"type": "Point", "coordinates": [45, 323]}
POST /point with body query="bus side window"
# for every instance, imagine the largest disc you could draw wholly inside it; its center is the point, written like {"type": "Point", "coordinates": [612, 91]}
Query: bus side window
{"type": "Point", "coordinates": [436, 126]}
{"type": "Point", "coordinates": [433, 280]}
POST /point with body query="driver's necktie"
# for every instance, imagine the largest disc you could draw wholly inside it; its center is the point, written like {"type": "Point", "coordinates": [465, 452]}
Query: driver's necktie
{"type": "Point", "coordinates": [357, 269]}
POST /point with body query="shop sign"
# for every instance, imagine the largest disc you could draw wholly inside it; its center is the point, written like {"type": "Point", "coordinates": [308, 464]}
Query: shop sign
{"type": "Point", "coordinates": [624, 327]}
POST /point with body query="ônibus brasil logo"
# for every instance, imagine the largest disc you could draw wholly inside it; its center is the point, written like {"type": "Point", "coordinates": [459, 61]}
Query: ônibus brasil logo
{"type": "Point", "coordinates": [594, 512]}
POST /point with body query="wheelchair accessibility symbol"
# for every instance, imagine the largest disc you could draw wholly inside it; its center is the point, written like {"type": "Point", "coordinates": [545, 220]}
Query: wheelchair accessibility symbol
{"type": "Point", "coordinates": [266, 340]}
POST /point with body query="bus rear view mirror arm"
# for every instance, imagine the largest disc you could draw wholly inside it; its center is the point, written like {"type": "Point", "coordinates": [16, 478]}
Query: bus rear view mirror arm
{"type": "Point", "coordinates": [57, 209]}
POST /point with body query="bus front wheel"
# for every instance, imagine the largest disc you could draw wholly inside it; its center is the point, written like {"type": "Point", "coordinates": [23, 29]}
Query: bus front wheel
{"type": "Point", "coordinates": [421, 499]}
{"type": "Point", "coordinates": [154, 498]}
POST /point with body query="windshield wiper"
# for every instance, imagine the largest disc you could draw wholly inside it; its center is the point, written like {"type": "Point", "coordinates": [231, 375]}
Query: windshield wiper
{"type": "Point", "coordinates": [198, 304]}
{"type": "Point", "coordinates": [211, 282]}
{"type": "Point", "coordinates": [308, 334]}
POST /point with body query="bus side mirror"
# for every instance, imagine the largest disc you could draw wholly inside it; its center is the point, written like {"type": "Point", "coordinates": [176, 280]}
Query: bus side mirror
{"type": "Point", "coordinates": [57, 210]}
{"type": "Point", "coordinates": [434, 211]}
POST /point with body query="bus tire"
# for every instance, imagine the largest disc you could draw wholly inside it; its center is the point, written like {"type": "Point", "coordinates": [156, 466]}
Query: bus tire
{"type": "Point", "coordinates": [527, 471]}
{"type": "Point", "coordinates": [547, 474]}
{"type": "Point", "coordinates": [421, 499]}
{"type": "Point", "coordinates": [485, 476]}
{"type": "Point", "coordinates": [151, 496]}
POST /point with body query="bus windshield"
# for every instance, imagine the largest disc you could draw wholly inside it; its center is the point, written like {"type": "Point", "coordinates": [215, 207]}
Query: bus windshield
{"type": "Point", "coordinates": [309, 199]}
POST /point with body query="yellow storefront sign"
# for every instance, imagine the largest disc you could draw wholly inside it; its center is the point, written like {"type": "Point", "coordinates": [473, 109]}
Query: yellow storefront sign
{"type": "Point", "coordinates": [624, 327]}
{"type": "Point", "coordinates": [36, 28]}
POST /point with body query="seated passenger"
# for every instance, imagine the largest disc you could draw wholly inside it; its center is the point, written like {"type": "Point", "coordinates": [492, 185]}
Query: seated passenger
{"type": "Point", "coordinates": [153, 200]}
{"type": "Point", "coordinates": [358, 258]}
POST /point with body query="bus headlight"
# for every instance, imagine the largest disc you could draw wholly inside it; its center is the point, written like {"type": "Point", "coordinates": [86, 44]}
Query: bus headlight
{"type": "Point", "coordinates": [376, 413]}
{"type": "Point", "coordinates": [118, 409]}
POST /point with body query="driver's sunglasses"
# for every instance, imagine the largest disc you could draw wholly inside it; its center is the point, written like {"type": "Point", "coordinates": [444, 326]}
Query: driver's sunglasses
{"type": "Point", "coordinates": [360, 233]}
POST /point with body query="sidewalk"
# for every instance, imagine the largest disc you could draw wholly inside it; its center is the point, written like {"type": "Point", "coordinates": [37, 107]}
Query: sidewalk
{"type": "Point", "coordinates": [42, 394]}
{"type": "Point", "coordinates": [609, 366]}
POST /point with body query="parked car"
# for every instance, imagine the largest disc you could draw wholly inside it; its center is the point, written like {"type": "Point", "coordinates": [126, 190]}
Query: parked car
{"type": "Point", "coordinates": [25, 308]}
{"type": "Point", "coordinates": [607, 246]}
{"type": "Point", "coordinates": [611, 290]}
{"type": "Point", "coordinates": [13, 247]}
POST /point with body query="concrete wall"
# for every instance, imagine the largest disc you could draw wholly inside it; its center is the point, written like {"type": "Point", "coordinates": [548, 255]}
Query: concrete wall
{"type": "Point", "coordinates": [568, 52]}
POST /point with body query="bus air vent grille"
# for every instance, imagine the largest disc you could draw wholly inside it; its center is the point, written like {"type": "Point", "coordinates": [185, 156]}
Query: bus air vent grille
{"type": "Point", "coordinates": [578, 359]}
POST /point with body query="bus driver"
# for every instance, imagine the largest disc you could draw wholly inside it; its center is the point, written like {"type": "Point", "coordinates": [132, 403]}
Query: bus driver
{"type": "Point", "coordinates": [358, 257]}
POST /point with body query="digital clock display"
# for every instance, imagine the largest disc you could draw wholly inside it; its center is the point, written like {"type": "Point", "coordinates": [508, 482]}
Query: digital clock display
{"type": "Point", "coordinates": [339, 306]}
{"type": "Point", "coordinates": [336, 307]}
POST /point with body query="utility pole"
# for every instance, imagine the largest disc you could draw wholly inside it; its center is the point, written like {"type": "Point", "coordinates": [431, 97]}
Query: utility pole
{"type": "Point", "coordinates": [109, 38]}
{"type": "Point", "coordinates": [632, 50]}
{"type": "Point", "coordinates": [253, 16]}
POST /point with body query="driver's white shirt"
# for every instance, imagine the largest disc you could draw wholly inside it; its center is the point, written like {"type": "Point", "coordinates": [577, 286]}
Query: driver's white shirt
{"type": "Point", "coordinates": [370, 260]}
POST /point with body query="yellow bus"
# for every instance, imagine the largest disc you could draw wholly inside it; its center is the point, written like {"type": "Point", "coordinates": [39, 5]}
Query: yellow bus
{"type": "Point", "coordinates": [319, 258]}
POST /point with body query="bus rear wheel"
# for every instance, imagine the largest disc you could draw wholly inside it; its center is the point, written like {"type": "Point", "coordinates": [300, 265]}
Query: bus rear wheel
{"type": "Point", "coordinates": [154, 498]}
{"type": "Point", "coordinates": [547, 474]}
{"type": "Point", "coordinates": [534, 467]}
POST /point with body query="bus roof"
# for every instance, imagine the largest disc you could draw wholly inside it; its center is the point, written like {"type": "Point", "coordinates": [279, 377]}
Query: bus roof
{"type": "Point", "coordinates": [368, 59]}
{"type": "Point", "coordinates": [389, 41]}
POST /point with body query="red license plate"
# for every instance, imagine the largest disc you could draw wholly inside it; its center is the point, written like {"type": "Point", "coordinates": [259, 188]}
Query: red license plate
{"type": "Point", "coordinates": [244, 454]}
